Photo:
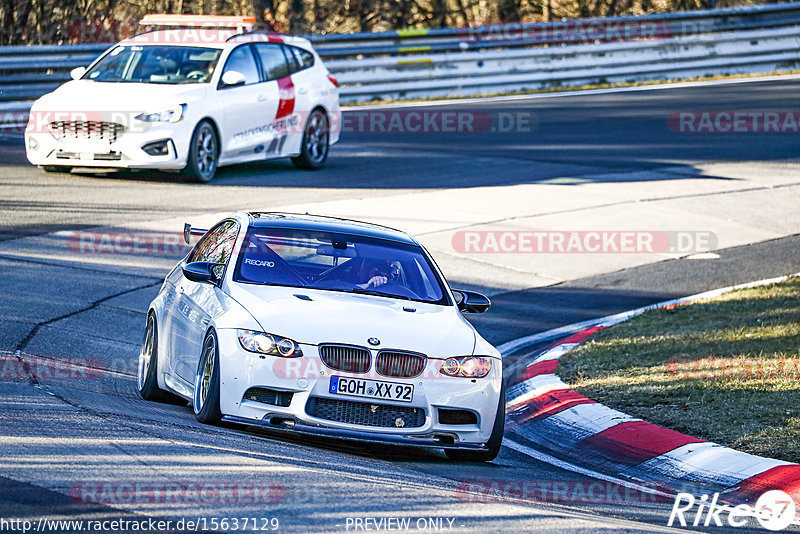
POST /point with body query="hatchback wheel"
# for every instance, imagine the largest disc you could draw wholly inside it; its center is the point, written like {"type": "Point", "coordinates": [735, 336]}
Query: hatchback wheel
{"type": "Point", "coordinates": [316, 142]}
{"type": "Point", "coordinates": [203, 154]}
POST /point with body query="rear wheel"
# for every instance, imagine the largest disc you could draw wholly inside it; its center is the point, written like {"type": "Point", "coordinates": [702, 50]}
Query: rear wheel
{"type": "Point", "coordinates": [495, 440]}
{"type": "Point", "coordinates": [201, 165]}
{"type": "Point", "coordinates": [316, 142]}
{"type": "Point", "coordinates": [206, 384]}
{"type": "Point", "coordinates": [147, 373]}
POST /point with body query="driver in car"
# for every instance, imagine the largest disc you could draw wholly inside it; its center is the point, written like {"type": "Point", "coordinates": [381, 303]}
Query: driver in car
{"type": "Point", "coordinates": [378, 273]}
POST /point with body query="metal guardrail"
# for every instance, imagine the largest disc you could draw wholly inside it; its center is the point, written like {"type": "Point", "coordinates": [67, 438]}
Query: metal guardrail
{"type": "Point", "coordinates": [472, 73]}
{"type": "Point", "coordinates": [498, 58]}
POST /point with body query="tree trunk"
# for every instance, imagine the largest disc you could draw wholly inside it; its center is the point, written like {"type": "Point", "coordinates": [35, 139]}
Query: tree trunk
{"type": "Point", "coordinates": [440, 13]}
{"type": "Point", "coordinates": [297, 17]}
{"type": "Point", "coordinates": [508, 10]}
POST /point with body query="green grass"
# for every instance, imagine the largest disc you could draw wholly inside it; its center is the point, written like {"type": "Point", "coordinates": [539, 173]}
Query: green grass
{"type": "Point", "coordinates": [561, 89]}
{"type": "Point", "coordinates": [725, 370]}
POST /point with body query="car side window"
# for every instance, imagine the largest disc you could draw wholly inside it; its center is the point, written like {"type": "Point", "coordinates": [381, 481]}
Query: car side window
{"type": "Point", "coordinates": [273, 62]}
{"type": "Point", "coordinates": [303, 58]}
{"type": "Point", "coordinates": [242, 60]}
{"type": "Point", "coordinates": [290, 59]}
{"type": "Point", "coordinates": [217, 245]}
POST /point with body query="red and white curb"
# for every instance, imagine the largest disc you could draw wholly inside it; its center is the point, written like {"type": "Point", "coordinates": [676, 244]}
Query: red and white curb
{"type": "Point", "coordinates": [543, 414]}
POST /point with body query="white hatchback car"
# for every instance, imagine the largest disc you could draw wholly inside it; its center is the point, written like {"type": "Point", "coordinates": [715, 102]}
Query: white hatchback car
{"type": "Point", "coordinates": [326, 327]}
{"type": "Point", "coordinates": [189, 99]}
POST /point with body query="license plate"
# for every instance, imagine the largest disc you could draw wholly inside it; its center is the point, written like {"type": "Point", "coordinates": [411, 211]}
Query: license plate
{"type": "Point", "coordinates": [371, 389]}
{"type": "Point", "coordinates": [86, 147]}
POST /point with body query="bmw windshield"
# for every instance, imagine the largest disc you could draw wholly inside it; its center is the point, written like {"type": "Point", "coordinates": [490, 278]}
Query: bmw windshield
{"type": "Point", "coordinates": [338, 262]}
{"type": "Point", "coordinates": [156, 64]}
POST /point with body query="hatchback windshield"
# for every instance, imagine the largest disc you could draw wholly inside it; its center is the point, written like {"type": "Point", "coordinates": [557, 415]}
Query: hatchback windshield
{"type": "Point", "coordinates": [338, 262]}
{"type": "Point", "coordinates": [156, 64]}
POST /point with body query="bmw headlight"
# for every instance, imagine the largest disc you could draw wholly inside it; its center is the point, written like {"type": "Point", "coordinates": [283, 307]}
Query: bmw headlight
{"type": "Point", "coordinates": [264, 343]}
{"type": "Point", "coordinates": [173, 114]}
{"type": "Point", "coordinates": [467, 366]}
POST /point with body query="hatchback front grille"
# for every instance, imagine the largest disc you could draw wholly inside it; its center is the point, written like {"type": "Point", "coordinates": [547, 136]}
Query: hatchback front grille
{"type": "Point", "coordinates": [346, 358]}
{"type": "Point", "coordinates": [400, 364]}
{"type": "Point", "coordinates": [83, 130]}
{"type": "Point", "coordinates": [365, 414]}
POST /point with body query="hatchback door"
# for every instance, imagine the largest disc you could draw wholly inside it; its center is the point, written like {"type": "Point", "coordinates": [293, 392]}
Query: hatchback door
{"type": "Point", "coordinates": [249, 109]}
{"type": "Point", "coordinates": [275, 70]}
{"type": "Point", "coordinates": [305, 84]}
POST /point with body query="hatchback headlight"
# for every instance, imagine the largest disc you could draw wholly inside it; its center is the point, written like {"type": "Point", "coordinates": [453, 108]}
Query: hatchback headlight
{"type": "Point", "coordinates": [173, 114]}
{"type": "Point", "coordinates": [467, 366]}
{"type": "Point", "coordinates": [263, 343]}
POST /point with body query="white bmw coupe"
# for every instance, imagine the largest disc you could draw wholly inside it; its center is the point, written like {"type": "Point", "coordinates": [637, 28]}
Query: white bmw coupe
{"type": "Point", "coordinates": [190, 99]}
{"type": "Point", "coordinates": [326, 327]}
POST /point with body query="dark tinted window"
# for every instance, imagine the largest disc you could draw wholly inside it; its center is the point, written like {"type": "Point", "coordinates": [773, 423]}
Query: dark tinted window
{"type": "Point", "coordinates": [338, 262]}
{"type": "Point", "coordinates": [304, 58]}
{"type": "Point", "coordinates": [290, 59]}
{"type": "Point", "coordinates": [242, 60]}
{"type": "Point", "coordinates": [273, 62]}
{"type": "Point", "coordinates": [156, 64]}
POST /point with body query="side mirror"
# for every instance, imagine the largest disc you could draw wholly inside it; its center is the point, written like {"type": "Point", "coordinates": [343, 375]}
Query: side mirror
{"type": "Point", "coordinates": [201, 271]}
{"type": "Point", "coordinates": [233, 78]}
{"type": "Point", "coordinates": [471, 302]}
{"type": "Point", "coordinates": [77, 72]}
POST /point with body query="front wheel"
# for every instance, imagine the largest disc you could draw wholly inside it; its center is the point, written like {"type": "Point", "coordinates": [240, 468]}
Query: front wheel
{"type": "Point", "coordinates": [316, 142]}
{"type": "Point", "coordinates": [201, 165]}
{"type": "Point", "coordinates": [495, 440]}
{"type": "Point", "coordinates": [206, 383]}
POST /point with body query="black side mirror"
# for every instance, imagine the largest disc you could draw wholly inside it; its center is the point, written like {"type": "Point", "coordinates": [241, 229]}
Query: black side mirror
{"type": "Point", "coordinates": [201, 271]}
{"type": "Point", "coordinates": [471, 302]}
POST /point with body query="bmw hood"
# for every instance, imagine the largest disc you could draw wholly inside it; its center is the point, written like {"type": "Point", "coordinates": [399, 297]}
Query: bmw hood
{"type": "Point", "coordinates": [332, 317]}
{"type": "Point", "coordinates": [86, 96]}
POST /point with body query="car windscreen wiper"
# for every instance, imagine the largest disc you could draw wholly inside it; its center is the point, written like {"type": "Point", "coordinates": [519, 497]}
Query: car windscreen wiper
{"type": "Point", "coordinates": [376, 293]}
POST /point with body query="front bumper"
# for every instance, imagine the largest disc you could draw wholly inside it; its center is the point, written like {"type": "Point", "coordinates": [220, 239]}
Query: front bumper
{"type": "Point", "coordinates": [125, 152]}
{"type": "Point", "coordinates": [308, 377]}
{"type": "Point", "coordinates": [433, 440]}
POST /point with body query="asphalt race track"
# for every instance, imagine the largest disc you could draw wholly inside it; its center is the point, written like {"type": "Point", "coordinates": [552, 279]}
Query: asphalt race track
{"type": "Point", "coordinates": [61, 437]}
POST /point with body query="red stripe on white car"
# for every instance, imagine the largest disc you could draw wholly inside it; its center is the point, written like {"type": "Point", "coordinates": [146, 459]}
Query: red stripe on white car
{"type": "Point", "coordinates": [286, 92]}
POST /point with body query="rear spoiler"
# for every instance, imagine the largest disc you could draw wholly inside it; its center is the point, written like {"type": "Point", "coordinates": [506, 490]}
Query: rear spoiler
{"type": "Point", "coordinates": [188, 232]}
